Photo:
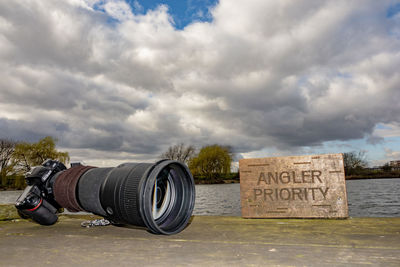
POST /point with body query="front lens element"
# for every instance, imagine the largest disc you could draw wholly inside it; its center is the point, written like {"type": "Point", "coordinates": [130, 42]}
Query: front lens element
{"type": "Point", "coordinates": [163, 194]}
{"type": "Point", "coordinates": [168, 198]}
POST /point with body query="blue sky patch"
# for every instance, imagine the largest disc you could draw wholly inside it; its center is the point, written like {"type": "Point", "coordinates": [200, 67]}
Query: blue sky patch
{"type": "Point", "coordinates": [182, 12]}
{"type": "Point", "coordinates": [393, 10]}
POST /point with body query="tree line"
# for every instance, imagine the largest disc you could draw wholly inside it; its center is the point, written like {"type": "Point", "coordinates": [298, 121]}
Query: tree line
{"type": "Point", "coordinates": [17, 158]}
{"type": "Point", "coordinates": [356, 167]}
{"type": "Point", "coordinates": [210, 164]}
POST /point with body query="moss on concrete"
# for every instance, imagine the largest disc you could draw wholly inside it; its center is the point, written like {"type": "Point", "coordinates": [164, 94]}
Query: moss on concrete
{"type": "Point", "coordinates": [8, 212]}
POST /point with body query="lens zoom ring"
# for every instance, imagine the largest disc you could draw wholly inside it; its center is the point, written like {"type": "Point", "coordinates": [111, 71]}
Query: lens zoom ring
{"type": "Point", "coordinates": [130, 195]}
{"type": "Point", "coordinates": [89, 190]}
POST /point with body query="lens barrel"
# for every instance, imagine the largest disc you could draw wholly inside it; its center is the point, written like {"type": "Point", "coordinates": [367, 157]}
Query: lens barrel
{"type": "Point", "coordinates": [158, 196]}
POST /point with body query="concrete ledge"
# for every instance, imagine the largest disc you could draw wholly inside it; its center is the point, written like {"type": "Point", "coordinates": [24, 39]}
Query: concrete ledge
{"type": "Point", "coordinates": [8, 212]}
{"type": "Point", "coordinates": [208, 241]}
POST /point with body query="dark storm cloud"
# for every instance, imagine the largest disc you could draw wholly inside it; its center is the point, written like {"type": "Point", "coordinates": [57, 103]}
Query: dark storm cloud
{"type": "Point", "coordinates": [261, 74]}
{"type": "Point", "coordinates": [30, 131]}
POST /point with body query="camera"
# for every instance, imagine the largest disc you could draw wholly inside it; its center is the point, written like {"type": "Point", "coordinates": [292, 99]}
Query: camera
{"type": "Point", "coordinates": [37, 200]}
{"type": "Point", "coordinates": [159, 196]}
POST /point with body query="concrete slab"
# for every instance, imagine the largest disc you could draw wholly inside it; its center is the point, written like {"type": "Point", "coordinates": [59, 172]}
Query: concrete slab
{"type": "Point", "coordinates": [208, 241]}
{"type": "Point", "coordinates": [310, 186]}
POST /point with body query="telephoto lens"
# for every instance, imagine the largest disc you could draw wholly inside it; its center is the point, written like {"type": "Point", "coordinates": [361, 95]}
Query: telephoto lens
{"type": "Point", "coordinates": [159, 196]}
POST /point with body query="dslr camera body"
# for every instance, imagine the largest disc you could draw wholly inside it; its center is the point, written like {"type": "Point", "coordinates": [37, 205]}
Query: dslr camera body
{"type": "Point", "coordinates": [37, 201]}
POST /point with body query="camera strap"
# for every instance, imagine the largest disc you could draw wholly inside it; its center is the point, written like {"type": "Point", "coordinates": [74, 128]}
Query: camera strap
{"type": "Point", "coordinates": [97, 222]}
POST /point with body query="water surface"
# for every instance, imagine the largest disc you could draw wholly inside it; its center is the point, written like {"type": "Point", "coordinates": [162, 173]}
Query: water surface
{"type": "Point", "coordinates": [366, 198]}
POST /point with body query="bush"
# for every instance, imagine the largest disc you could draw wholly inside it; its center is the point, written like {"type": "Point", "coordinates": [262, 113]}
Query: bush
{"type": "Point", "coordinates": [16, 182]}
{"type": "Point", "coordinates": [212, 162]}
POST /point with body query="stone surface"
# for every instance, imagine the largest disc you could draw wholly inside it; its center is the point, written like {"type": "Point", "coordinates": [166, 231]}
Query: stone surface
{"type": "Point", "coordinates": [310, 186]}
{"type": "Point", "coordinates": [8, 212]}
{"type": "Point", "coordinates": [207, 241]}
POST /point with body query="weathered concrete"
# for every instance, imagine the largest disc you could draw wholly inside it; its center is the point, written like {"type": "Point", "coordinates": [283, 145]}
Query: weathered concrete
{"type": "Point", "coordinates": [9, 197]}
{"type": "Point", "coordinates": [311, 186]}
{"type": "Point", "coordinates": [208, 241]}
{"type": "Point", "coordinates": [8, 212]}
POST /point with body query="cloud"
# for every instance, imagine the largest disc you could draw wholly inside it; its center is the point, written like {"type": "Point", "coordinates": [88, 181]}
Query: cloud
{"type": "Point", "coordinates": [388, 130]}
{"type": "Point", "coordinates": [261, 74]}
{"type": "Point", "coordinates": [391, 154]}
{"type": "Point", "coordinates": [374, 140]}
{"type": "Point", "coordinates": [119, 9]}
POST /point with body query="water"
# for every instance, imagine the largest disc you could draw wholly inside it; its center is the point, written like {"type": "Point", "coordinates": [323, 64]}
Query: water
{"type": "Point", "coordinates": [374, 198]}
{"type": "Point", "coordinates": [217, 199]}
{"type": "Point", "coordinates": [366, 198]}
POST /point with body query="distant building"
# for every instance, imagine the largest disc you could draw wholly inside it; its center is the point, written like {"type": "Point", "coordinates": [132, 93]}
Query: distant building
{"type": "Point", "coordinates": [395, 164]}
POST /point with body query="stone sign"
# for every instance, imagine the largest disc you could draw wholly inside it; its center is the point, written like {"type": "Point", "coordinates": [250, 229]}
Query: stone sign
{"type": "Point", "coordinates": [293, 187]}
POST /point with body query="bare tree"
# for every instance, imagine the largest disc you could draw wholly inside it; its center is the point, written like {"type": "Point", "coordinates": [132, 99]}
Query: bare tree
{"type": "Point", "coordinates": [179, 152]}
{"type": "Point", "coordinates": [354, 161]}
{"type": "Point", "coordinates": [7, 148]}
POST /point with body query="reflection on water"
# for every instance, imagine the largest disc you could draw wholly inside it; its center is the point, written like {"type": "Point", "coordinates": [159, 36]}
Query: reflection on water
{"type": "Point", "coordinates": [366, 198]}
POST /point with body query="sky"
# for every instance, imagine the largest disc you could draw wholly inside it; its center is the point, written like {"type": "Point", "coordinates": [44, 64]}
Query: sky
{"type": "Point", "coordinates": [117, 81]}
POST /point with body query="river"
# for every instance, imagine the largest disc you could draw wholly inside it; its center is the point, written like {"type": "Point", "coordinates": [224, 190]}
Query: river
{"type": "Point", "coordinates": [366, 198]}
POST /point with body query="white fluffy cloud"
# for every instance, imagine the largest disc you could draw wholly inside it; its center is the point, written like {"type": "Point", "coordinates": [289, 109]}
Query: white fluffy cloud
{"type": "Point", "coordinates": [283, 74]}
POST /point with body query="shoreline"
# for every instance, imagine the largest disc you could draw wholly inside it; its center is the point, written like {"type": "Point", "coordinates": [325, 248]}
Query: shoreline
{"type": "Point", "coordinates": [237, 181]}
{"type": "Point", "coordinates": [222, 181]}
{"type": "Point", "coordinates": [360, 177]}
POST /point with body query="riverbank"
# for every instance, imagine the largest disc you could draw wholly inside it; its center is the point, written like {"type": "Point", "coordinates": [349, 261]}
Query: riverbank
{"type": "Point", "coordinates": [230, 178]}
{"type": "Point", "coordinates": [217, 181]}
{"type": "Point", "coordinates": [363, 174]}
{"type": "Point", "coordinates": [235, 181]}
{"type": "Point", "coordinates": [207, 241]}
{"type": "Point", "coordinates": [377, 176]}
{"type": "Point", "coordinates": [234, 178]}
{"type": "Point", "coordinates": [360, 177]}
{"type": "Point", "coordinates": [373, 174]}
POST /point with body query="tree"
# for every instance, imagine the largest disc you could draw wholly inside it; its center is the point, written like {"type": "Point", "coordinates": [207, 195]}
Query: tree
{"type": "Point", "coordinates": [386, 167]}
{"type": "Point", "coordinates": [354, 162]}
{"type": "Point", "coordinates": [6, 151]}
{"type": "Point", "coordinates": [27, 155]}
{"type": "Point", "coordinates": [211, 162]}
{"type": "Point", "coordinates": [179, 152]}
